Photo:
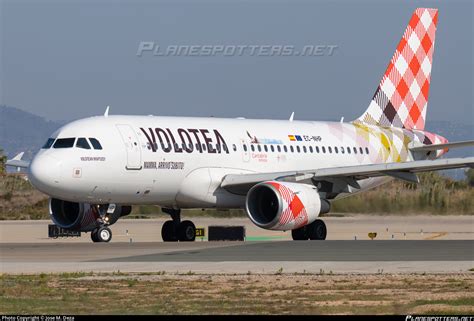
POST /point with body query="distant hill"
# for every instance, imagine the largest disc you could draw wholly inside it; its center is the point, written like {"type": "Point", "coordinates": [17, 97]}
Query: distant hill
{"type": "Point", "coordinates": [21, 131]}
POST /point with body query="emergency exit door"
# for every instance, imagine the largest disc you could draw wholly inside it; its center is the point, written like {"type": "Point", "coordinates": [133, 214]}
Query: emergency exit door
{"type": "Point", "coordinates": [132, 145]}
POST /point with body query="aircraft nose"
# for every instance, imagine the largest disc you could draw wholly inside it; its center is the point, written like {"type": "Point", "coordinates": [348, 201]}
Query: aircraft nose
{"type": "Point", "coordinates": [44, 172]}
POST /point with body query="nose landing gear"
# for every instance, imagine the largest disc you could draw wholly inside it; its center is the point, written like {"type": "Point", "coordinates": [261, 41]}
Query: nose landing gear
{"type": "Point", "coordinates": [102, 234]}
{"type": "Point", "coordinates": [175, 230]}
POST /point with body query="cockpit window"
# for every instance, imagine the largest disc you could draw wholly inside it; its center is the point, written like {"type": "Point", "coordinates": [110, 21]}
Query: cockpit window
{"type": "Point", "coordinates": [82, 143]}
{"type": "Point", "coordinates": [64, 143]}
{"type": "Point", "coordinates": [48, 143]}
{"type": "Point", "coordinates": [95, 143]}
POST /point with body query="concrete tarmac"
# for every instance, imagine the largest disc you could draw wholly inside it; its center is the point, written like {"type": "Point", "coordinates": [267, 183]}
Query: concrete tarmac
{"type": "Point", "coordinates": [403, 245]}
{"type": "Point", "coordinates": [339, 228]}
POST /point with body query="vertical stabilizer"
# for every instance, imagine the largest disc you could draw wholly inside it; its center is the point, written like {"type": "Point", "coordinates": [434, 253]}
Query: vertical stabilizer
{"type": "Point", "coordinates": [401, 98]}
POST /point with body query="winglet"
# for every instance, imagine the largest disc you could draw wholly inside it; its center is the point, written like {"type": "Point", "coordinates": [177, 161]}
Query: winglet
{"type": "Point", "coordinates": [17, 162]}
{"type": "Point", "coordinates": [19, 156]}
{"type": "Point", "coordinates": [291, 117]}
{"type": "Point", "coordinates": [106, 114]}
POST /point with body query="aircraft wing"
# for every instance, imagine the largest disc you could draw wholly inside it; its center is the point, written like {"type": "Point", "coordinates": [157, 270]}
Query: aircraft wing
{"type": "Point", "coordinates": [17, 162]}
{"type": "Point", "coordinates": [240, 183]}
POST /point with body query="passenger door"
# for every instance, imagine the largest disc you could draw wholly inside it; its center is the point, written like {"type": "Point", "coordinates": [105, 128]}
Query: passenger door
{"type": "Point", "coordinates": [132, 145]}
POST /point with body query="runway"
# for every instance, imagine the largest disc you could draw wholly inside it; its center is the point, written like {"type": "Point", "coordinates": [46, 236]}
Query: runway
{"type": "Point", "coordinates": [343, 256]}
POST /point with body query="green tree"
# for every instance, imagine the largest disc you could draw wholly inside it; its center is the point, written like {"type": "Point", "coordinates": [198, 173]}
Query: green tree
{"type": "Point", "coordinates": [470, 177]}
{"type": "Point", "coordinates": [3, 160]}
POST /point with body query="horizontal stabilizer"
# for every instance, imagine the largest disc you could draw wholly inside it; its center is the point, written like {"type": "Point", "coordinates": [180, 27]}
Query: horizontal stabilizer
{"type": "Point", "coordinates": [426, 148]}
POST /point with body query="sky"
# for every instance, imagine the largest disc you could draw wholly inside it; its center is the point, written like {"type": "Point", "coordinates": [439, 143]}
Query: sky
{"type": "Point", "coordinates": [67, 59]}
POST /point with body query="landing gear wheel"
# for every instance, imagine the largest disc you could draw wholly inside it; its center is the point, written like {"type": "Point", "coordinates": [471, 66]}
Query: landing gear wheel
{"type": "Point", "coordinates": [104, 234]}
{"type": "Point", "coordinates": [317, 230]}
{"type": "Point", "coordinates": [168, 232]}
{"type": "Point", "coordinates": [94, 237]}
{"type": "Point", "coordinates": [300, 234]}
{"type": "Point", "coordinates": [186, 231]}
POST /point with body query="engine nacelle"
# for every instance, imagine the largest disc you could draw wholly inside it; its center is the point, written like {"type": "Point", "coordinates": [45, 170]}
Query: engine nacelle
{"type": "Point", "coordinates": [81, 216]}
{"type": "Point", "coordinates": [284, 206]}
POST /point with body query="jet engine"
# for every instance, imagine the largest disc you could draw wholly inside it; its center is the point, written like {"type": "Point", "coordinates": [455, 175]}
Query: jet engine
{"type": "Point", "coordinates": [82, 216]}
{"type": "Point", "coordinates": [284, 206]}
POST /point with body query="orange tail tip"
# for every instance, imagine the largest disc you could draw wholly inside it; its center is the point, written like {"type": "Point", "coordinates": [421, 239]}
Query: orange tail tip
{"type": "Point", "coordinates": [401, 99]}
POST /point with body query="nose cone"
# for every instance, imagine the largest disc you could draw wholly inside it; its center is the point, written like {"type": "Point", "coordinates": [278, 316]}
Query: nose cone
{"type": "Point", "coordinates": [44, 173]}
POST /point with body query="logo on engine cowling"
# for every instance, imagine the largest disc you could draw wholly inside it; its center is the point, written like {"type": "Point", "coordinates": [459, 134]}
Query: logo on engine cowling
{"type": "Point", "coordinates": [293, 208]}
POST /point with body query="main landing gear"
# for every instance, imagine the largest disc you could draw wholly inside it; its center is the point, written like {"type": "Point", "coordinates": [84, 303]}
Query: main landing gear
{"type": "Point", "coordinates": [175, 230]}
{"type": "Point", "coordinates": [314, 231]}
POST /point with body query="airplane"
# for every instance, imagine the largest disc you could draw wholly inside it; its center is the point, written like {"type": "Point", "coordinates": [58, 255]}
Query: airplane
{"type": "Point", "coordinates": [284, 173]}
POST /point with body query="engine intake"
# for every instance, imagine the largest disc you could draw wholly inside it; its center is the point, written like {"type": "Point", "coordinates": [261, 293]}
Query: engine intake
{"type": "Point", "coordinates": [284, 206]}
{"type": "Point", "coordinates": [81, 216]}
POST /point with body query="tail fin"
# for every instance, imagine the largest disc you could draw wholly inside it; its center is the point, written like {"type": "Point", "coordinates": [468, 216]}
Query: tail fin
{"type": "Point", "coordinates": [401, 98]}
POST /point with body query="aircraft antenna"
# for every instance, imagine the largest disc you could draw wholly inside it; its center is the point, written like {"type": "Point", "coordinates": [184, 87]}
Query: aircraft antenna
{"type": "Point", "coordinates": [292, 115]}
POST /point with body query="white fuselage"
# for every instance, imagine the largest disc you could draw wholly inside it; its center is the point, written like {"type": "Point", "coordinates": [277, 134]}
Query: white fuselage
{"type": "Point", "coordinates": [143, 159]}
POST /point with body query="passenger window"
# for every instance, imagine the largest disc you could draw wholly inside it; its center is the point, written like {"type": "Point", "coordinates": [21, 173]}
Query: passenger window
{"type": "Point", "coordinates": [323, 149]}
{"type": "Point", "coordinates": [259, 148]}
{"type": "Point", "coordinates": [265, 148]}
{"type": "Point", "coordinates": [361, 150]}
{"type": "Point", "coordinates": [310, 149]}
{"type": "Point", "coordinates": [317, 149]}
{"type": "Point", "coordinates": [348, 150]}
{"type": "Point", "coordinates": [366, 150]}
{"type": "Point", "coordinates": [204, 147]}
{"type": "Point", "coordinates": [342, 150]}
{"type": "Point", "coordinates": [95, 143]}
{"type": "Point", "coordinates": [336, 150]}
{"type": "Point", "coordinates": [82, 143]}
{"type": "Point", "coordinates": [252, 147]}
{"type": "Point", "coordinates": [64, 143]}
{"type": "Point", "coordinates": [355, 150]}
{"type": "Point", "coordinates": [330, 149]}
{"type": "Point", "coordinates": [291, 149]}
{"type": "Point", "coordinates": [285, 149]}
{"type": "Point", "coordinates": [48, 143]}
{"type": "Point", "coordinates": [245, 147]}
{"type": "Point", "coordinates": [218, 147]}
{"type": "Point", "coordinates": [278, 148]}
{"type": "Point", "coordinates": [272, 148]}
{"type": "Point", "coordinates": [298, 149]}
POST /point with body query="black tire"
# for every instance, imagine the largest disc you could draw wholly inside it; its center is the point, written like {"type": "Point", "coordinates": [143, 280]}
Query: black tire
{"type": "Point", "coordinates": [94, 237]}
{"type": "Point", "coordinates": [168, 232]}
{"type": "Point", "coordinates": [187, 231]}
{"type": "Point", "coordinates": [300, 234]}
{"type": "Point", "coordinates": [317, 230]}
{"type": "Point", "coordinates": [104, 234]}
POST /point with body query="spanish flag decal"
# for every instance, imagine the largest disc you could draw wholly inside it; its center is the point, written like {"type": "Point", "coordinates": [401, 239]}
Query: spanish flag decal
{"type": "Point", "coordinates": [292, 138]}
